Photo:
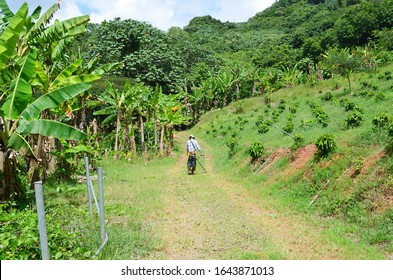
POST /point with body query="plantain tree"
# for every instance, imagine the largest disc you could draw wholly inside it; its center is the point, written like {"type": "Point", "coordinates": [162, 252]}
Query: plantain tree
{"type": "Point", "coordinates": [35, 78]}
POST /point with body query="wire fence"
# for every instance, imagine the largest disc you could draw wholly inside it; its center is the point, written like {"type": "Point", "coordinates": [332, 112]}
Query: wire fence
{"type": "Point", "coordinates": [90, 195]}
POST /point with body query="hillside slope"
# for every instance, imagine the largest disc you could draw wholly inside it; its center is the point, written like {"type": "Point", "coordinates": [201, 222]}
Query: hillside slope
{"type": "Point", "coordinates": [353, 185]}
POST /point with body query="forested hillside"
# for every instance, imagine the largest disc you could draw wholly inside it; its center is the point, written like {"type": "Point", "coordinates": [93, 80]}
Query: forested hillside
{"type": "Point", "coordinates": [209, 63]}
{"type": "Point", "coordinates": [123, 88]}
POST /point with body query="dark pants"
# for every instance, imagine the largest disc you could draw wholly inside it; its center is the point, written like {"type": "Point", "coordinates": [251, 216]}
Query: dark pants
{"type": "Point", "coordinates": [191, 162]}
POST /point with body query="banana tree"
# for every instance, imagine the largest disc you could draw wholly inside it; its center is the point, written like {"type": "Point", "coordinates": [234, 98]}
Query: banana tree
{"type": "Point", "coordinates": [115, 107]}
{"type": "Point", "coordinates": [26, 74]}
{"type": "Point", "coordinates": [224, 82]}
{"type": "Point", "coordinates": [21, 118]}
{"type": "Point", "coordinates": [140, 95]}
{"type": "Point", "coordinates": [170, 117]}
{"type": "Point", "coordinates": [156, 102]}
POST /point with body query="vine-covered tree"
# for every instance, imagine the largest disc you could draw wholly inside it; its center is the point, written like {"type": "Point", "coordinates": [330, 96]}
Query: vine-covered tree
{"type": "Point", "coordinates": [144, 50]}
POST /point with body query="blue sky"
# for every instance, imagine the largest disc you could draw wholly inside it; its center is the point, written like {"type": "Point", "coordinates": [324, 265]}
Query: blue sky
{"type": "Point", "coordinates": [160, 13]}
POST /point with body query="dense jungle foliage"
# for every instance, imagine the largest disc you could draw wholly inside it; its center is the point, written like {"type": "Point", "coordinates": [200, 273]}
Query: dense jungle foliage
{"type": "Point", "coordinates": [121, 88]}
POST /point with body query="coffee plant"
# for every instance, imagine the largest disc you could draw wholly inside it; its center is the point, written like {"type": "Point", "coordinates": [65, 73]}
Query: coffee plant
{"type": "Point", "coordinates": [288, 128]}
{"type": "Point", "coordinates": [298, 141]}
{"type": "Point", "coordinates": [318, 113]}
{"type": "Point", "coordinates": [355, 119]}
{"type": "Point", "coordinates": [326, 145]}
{"type": "Point", "coordinates": [256, 150]}
{"type": "Point", "coordinates": [263, 128]}
{"type": "Point", "coordinates": [381, 120]}
{"type": "Point", "coordinates": [232, 144]}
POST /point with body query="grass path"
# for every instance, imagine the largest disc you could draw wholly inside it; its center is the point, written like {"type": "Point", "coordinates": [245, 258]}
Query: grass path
{"type": "Point", "coordinates": [158, 211]}
{"type": "Point", "coordinates": [208, 216]}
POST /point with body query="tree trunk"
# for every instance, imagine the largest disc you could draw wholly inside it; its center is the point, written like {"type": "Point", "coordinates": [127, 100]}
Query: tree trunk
{"type": "Point", "coordinates": [155, 130]}
{"type": "Point", "coordinates": [117, 132]}
{"type": "Point", "coordinates": [83, 121]}
{"type": "Point", "coordinates": [95, 130]}
{"type": "Point", "coordinates": [349, 84]}
{"type": "Point", "coordinates": [36, 165]}
{"type": "Point", "coordinates": [132, 138]}
{"type": "Point", "coordinates": [237, 90]}
{"type": "Point", "coordinates": [254, 88]}
{"type": "Point", "coordinates": [171, 142]}
{"type": "Point", "coordinates": [52, 157]}
{"type": "Point", "coordinates": [124, 136]}
{"type": "Point", "coordinates": [162, 151]}
{"type": "Point", "coordinates": [9, 189]}
{"type": "Point", "coordinates": [142, 129]}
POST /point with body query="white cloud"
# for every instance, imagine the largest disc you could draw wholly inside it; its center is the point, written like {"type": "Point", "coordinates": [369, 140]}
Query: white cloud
{"type": "Point", "coordinates": [68, 9]}
{"type": "Point", "coordinates": [160, 13]}
{"type": "Point", "coordinates": [235, 11]}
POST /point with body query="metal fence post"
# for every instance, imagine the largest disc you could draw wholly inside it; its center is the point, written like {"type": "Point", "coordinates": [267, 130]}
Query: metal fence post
{"type": "Point", "coordinates": [41, 220]}
{"type": "Point", "coordinates": [88, 185]}
{"type": "Point", "coordinates": [102, 217]}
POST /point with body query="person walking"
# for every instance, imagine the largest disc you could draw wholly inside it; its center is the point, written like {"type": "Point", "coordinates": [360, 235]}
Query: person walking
{"type": "Point", "coordinates": [192, 146]}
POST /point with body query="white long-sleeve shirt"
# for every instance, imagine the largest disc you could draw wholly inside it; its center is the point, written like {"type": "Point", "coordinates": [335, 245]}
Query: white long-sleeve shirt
{"type": "Point", "coordinates": [192, 145]}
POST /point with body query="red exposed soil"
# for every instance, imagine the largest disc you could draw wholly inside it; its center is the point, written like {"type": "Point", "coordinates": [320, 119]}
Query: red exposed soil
{"type": "Point", "coordinates": [300, 159]}
{"type": "Point", "coordinates": [302, 156]}
{"type": "Point", "coordinates": [371, 161]}
{"type": "Point", "coordinates": [279, 153]}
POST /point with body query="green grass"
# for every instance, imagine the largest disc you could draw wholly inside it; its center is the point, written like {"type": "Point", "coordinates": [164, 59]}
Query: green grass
{"type": "Point", "coordinates": [134, 197]}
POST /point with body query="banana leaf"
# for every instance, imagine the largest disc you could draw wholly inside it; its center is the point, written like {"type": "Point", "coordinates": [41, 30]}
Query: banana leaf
{"type": "Point", "coordinates": [63, 29]}
{"type": "Point", "coordinates": [85, 78]}
{"type": "Point", "coordinates": [10, 36]}
{"type": "Point", "coordinates": [40, 79]}
{"type": "Point", "coordinates": [21, 93]}
{"type": "Point", "coordinates": [67, 72]}
{"type": "Point", "coordinates": [18, 142]}
{"type": "Point", "coordinates": [50, 128]}
{"type": "Point", "coordinates": [53, 99]}
{"type": "Point", "coordinates": [41, 23]}
{"type": "Point", "coordinates": [60, 48]}
{"type": "Point", "coordinates": [107, 67]}
{"type": "Point", "coordinates": [5, 10]}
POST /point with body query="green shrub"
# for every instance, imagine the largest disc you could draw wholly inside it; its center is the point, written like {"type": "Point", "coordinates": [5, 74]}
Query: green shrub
{"type": "Point", "coordinates": [293, 108]}
{"type": "Point", "coordinates": [328, 96]}
{"type": "Point", "coordinates": [326, 145]}
{"type": "Point", "coordinates": [260, 120]}
{"type": "Point", "coordinates": [298, 141]}
{"type": "Point", "coordinates": [67, 229]}
{"type": "Point", "coordinates": [239, 107]}
{"type": "Point", "coordinates": [380, 96]}
{"type": "Point", "coordinates": [381, 120]}
{"type": "Point", "coordinates": [288, 128]}
{"type": "Point", "coordinates": [354, 119]}
{"type": "Point", "coordinates": [390, 129]}
{"type": "Point", "coordinates": [232, 145]}
{"type": "Point", "coordinates": [306, 124]}
{"type": "Point", "coordinates": [263, 128]}
{"type": "Point", "coordinates": [256, 150]}
{"type": "Point", "coordinates": [347, 104]}
{"type": "Point", "coordinates": [318, 113]}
